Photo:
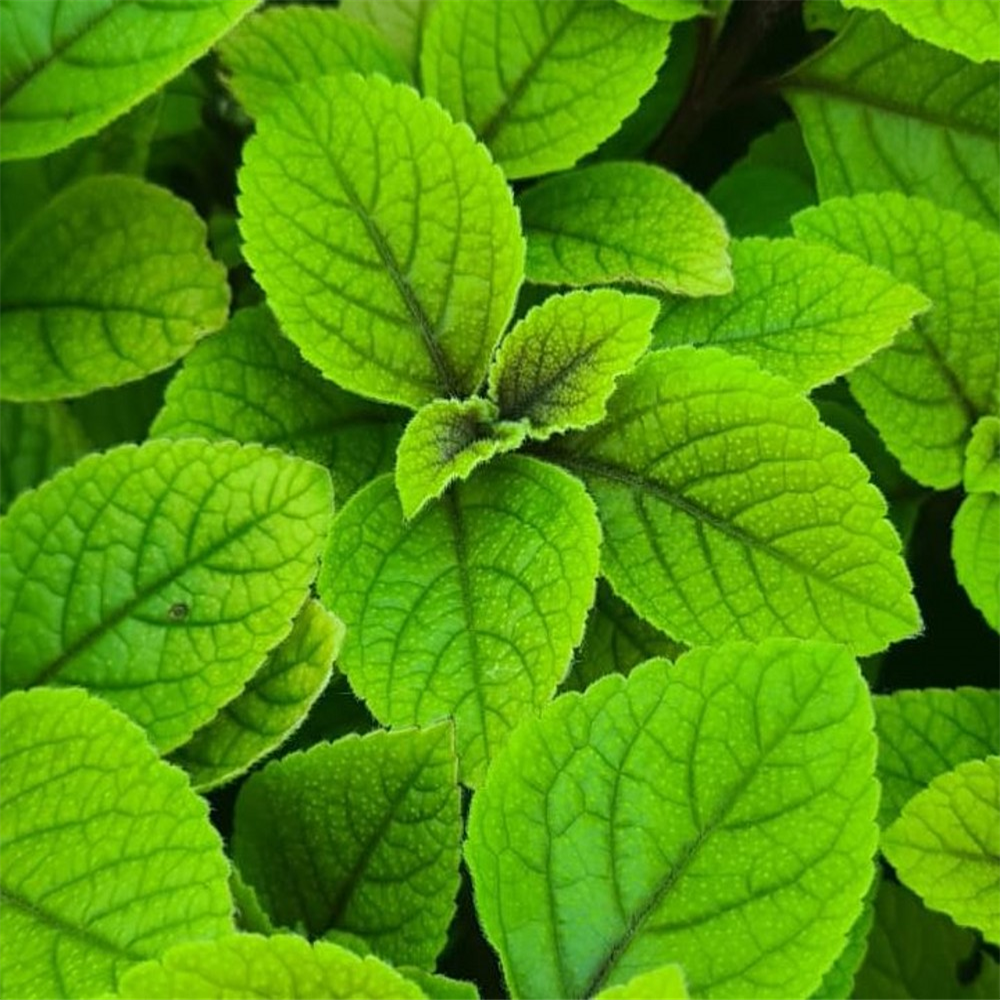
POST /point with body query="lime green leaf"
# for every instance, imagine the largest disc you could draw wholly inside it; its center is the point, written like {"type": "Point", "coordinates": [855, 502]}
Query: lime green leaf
{"type": "Point", "coordinates": [399, 22]}
{"type": "Point", "coordinates": [914, 953]}
{"type": "Point", "coordinates": [251, 384]}
{"type": "Point", "coordinates": [923, 733]}
{"type": "Point", "coordinates": [386, 240]}
{"type": "Point", "coordinates": [625, 222]}
{"type": "Point", "coordinates": [971, 28]}
{"type": "Point", "coordinates": [284, 967]}
{"type": "Point", "coordinates": [445, 441]}
{"type": "Point", "coordinates": [440, 987]}
{"type": "Point", "coordinates": [881, 112]}
{"type": "Point", "coordinates": [975, 549]}
{"type": "Point", "coordinates": [36, 440]}
{"type": "Point", "coordinates": [729, 798]}
{"type": "Point", "coordinates": [69, 69]}
{"type": "Point", "coordinates": [108, 856]}
{"type": "Point", "coordinates": [360, 836]}
{"type": "Point", "coordinates": [272, 705]}
{"type": "Point", "coordinates": [664, 983]}
{"type": "Point", "coordinates": [159, 576]}
{"type": "Point", "coordinates": [945, 845]}
{"type": "Point", "coordinates": [110, 281]}
{"type": "Point", "coordinates": [571, 73]}
{"type": "Point", "coordinates": [927, 390]}
{"type": "Point", "coordinates": [665, 10]}
{"type": "Point", "coordinates": [558, 366]}
{"type": "Point", "coordinates": [982, 458]}
{"type": "Point", "coordinates": [281, 46]}
{"type": "Point", "coordinates": [730, 511]}
{"type": "Point", "coordinates": [250, 915]}
{"type": "Point", "coordinates": [799, 310]}
{"type": "Point", "coordinates": [470, 610]}
{"type": "Point", "coordinates": [838, 981]}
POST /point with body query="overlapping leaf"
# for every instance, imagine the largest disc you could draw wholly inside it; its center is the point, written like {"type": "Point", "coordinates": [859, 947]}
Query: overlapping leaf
{"type": "Point", "coordinates": [665, 983]}
{"type": "Point", "coordinates": [399, 22]}
{"type": "Point", "coordinates": [838, 980]}
{"type": "Point", "coordinates": [975, 549]}
{"type": "Point", "coordinates": [982, 458]}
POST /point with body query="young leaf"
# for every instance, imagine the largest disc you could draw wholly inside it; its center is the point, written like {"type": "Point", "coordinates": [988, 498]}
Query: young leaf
{"type": "Point", "coordinates": [945, 845]}
{"type": "Point", "coordinates": [975, 550]}
{"type": "Point", "coordinates": [360, 836]}
{"type": "Point", "coordinates": [385, 238]}
{"type": "Point", "coordinates": [399, 22]}
{"type": "Point", "coordinates": [440, 987]}
{"type": "Point", "coordinates": [926, 391]}
{"type": "Point", "coordinates": [970, 28]}
{"type": "Point", "coordinates": [799, 310]}
{"type": "Point", "coordinates": [625, 222]}
{"type": "Point", "coordinates": [109, 282]}
{"type": "Point", "coordinates": [729, 511]}
{"type": "Point", "coordinates": [272, 705]}
{"type": "Point", "coordinates": [283, 967]}
{"type": "Point", "coordinates": [881, 112]}
{"type": "Point", "coordinates": [982, 458]}
{"type": "Point", "coordinates": [445, 441]}
{"type": "Point", "coordinates": [69, 69]}
{"type": "Point", "coordinates": [251, 384]}
{"type": "Point", "coordinates": [159, 576]}
{"type": "Point", "coordinates": [280, 46]}
{"type": "Point", "coordinates": [728, 798]}
{"type": "Point", "coordinates": [472, 609]}
{"type": "Point", "coordinates": [541, 82]}
{"type": "Point", "coordinates": [664, 983]}
{"type": "Point", "coordinates": [557, 367]}
{"type": "Point", "coordinates": [922, 734]}
{"type": "Point", "coordinates": [665, 10]}
{"type": "Point", "coordinates": [108, 856]}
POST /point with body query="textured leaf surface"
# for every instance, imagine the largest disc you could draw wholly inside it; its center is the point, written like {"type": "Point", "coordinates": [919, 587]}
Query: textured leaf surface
{"type": "Point", "coordinates": [729, 511]}
{"type": "Point", "coordinates": [472, 609]}
{"type": "Point", "coordinates": [363, 836]}
{"type": "Point", "coordinates": [925, 392]}
{"type": "Point", "coordinates": [838, 980]}
{"type": "Point", "coordinates": [541, 82]}
{"type": "Point", "coordinates": [982, 458]}
{"type": "Point", "coordinates": [945, 845]}
{"type": "Point", "coordinates": [445, 441]}
{"type": "Point", "coordinates": [108, 856]}
{"type": "Point", "coordinates": [799, 310]}
{"type": "Point", "coordinates": [69, 68]}
{"type": "Point", "coordinates": [111, 281]}
{"type": "Point", "coordinates": [665, 983]}
{"type": "Point", "coordinates": [386, 240]}
{"type": "Point", "coordinates": [975, 549]}
{"type": "Point", "coordinates": [399, 22]}
{"type": "Point", "coordinates": [923, 733]}
{"type": "Point", "coordinates": [558, 366]}
{"type": "Point", "coordinates": [271, 707]}
{"type": "Point", "coordinates": [882, 112]}
{"type": "Point", "coordinates": [251, 384]}
{"type": "Point", "coordinates": [440, 987]}
{"type": "Point", "coordinates": [159, 576]}
{"type": "Point", "coordinates": [971, 28]}
{"type": "Point", "coordinates": [278, 47]}
{"type": "Point", "coordinates": [728, 798]}
{"type": "Point", "coordinates": [665, 10]}
{"type": "Point", "coordinates": [625, 222]}
{"type": "Point", "coordinates": [284, 967]}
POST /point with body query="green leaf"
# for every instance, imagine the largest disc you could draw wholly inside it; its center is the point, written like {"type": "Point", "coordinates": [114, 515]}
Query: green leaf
{"type": "Point", "coordinates": [975, 550]}
{"type": "Point", "coordinates": [557, 366]}
{"type": "Point", "coordinates": [729, 511]}
{"type": "Point", "coordinates": [665, 10]}
{"type": "Point", "coordinates": [927, 390]}
{"type": "Point", "coordinates": [69, 69]}
{"type": "Point", "coordinates": [970, 28]}
{"type": "Point", "coordinates": [386, 240]}
{"type": "Point", "coordinates": [362, 835]}
{"type": "Point", "coordinates": [625, 222]}
{"type": "Point", "coordinates": [399, 22]}
{"type": "Point", "coordinates": [440, 987]}
{"type": "Point", "coordinates": [945, 845]}
{"type": "Point", "coordinates": [271, 707]}
{"type": "Point", "coordinates": [250, 915]}
{"type": "Point", "coordinates": [472, 609]}
{"type": "Point", "coordinates": [109, 282]}
{"type": "Point", "coordinates": [838, 981]}
{"type": "Point", "coordinates": [280, 46]}
{"type": "Point", "coordinates": [664, 983]}
{"type": "Point", "coordinates": [914, 953]}
{"type": "Point", "coordinates": [108, 856]}
{"type": "Point", "coordinates": [982, 458]}
{"type": "Point", "coordinates": [251, 384]}
{"type": "Point", "coordinates": [923, 733]}
{"type": "Point", "coordinates": [445, 441]}
{"type": "Point", "coordinates": [283, 967]}
{"type": "Point", "coordinates": [881, 112]}
{"type": "Point", "coordinates": [729, 798]}
{"type": "Point", "coordinates": [541, 82]}
{"type": "Point", "coordinates": [799, 310]}
{"type": "Point", "coordinates": [122, 415]}
{"type": "Point", "coordinates": [36, 440]}
{"type": "Point", "coordinates": [159, 576]}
